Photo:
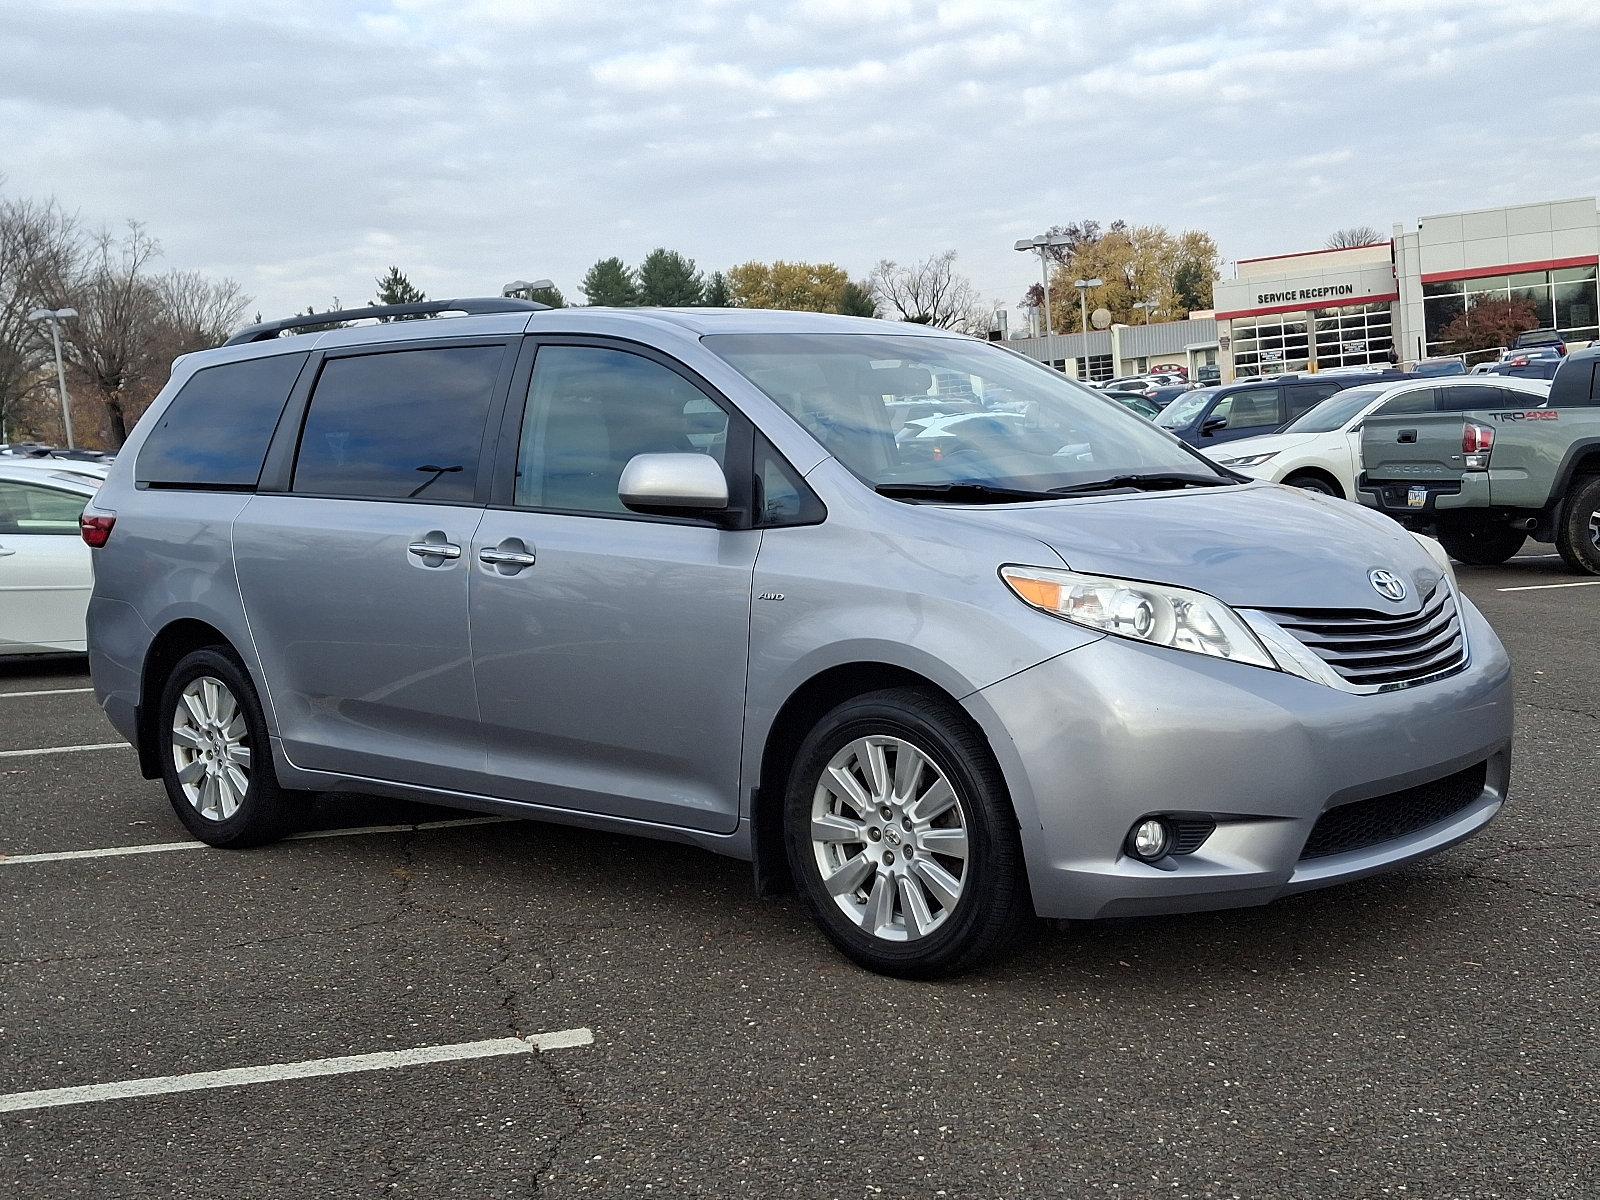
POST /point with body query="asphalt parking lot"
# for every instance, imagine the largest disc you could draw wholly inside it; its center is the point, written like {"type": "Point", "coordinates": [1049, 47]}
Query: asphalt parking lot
{"type": "Point", "coordinates": [1434, 1032]}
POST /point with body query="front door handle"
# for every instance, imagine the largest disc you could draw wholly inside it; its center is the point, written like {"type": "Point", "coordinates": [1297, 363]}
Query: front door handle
{"type": "Point", "coordinates": [510, 557]}
{"type": "Point", "coordinates": [446, 550]}
{"type": "Point", "coordinates": [506, 558]}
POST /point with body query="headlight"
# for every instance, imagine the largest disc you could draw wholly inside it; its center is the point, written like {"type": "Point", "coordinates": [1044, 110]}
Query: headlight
{"type": "Point", "coordinates": [1144, 612]}
{"type": "Point", "coordinates": [1249, 460]}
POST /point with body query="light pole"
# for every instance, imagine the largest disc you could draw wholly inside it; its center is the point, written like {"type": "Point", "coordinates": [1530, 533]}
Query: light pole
{"type": "Point", "coordinates": [1083, 286]}
{"type": "Point", "coordinates": [1145, 306]}
{"type": "Point", "coordinates": [1043, 244]}
{"type": "Point", "coordinates": [55, 316]}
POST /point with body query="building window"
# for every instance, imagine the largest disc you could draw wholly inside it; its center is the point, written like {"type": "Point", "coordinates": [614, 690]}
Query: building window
{"type": "Point", "coordinates": [1360, 335]}
{"type": "Point", "coordinates": [1100, 368]}
{"type": "Point", "coordinates": [1271, 345]}
{"type": "Point", "coordinates": [1564, 299]}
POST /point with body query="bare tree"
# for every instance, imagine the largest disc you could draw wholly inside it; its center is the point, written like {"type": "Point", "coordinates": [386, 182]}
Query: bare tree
{"type": "Point", "coordinates": [113, 342]}
{"type": "Point", "coordinates": [1355, 235]}
{"type": "Point", "coordinates": [38, 244]}
{"type": "Point", "coordinates": [196, 313]}
{"type": "Point", "coordinates": [929, 293]}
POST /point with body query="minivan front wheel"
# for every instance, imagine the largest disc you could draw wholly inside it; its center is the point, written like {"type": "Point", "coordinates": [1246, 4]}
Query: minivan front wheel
{"type": "Point", "coordinates": [215, 758]}
{"type": "Point", "coordinates": [902, 838]}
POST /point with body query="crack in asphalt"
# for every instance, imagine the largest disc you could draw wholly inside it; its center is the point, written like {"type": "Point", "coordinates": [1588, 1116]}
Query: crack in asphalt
{"type": "Point", "coordinates": [510, 1006]}
{"type": "Point", "coordinates": [1588, 899]}
{"type": "Point", "coordinates": [1556, 708]}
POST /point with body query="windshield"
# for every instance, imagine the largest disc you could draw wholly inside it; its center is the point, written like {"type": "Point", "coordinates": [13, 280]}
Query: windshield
{"type": "Point", "coordinates": [901, 409]}
{"type": "Point", "coordinates": [1185, 409]}
{"type": "Point", "coordinates": [1334, 412]}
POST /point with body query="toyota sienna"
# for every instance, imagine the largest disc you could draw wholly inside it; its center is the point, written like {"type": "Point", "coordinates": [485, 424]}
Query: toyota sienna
{"type": "Point", "coordinates": [677, 573]}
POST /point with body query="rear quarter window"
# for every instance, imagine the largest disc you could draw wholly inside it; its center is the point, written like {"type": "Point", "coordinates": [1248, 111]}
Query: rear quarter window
{"type": "Point", "coordinates": [214, 433]}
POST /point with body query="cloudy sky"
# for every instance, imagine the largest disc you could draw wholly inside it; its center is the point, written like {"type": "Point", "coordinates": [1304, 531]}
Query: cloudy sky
{"type": "Point", "coordinates": [302, 148]}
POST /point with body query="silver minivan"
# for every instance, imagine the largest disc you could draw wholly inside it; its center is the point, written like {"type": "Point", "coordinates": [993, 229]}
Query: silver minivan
{"type": "Point", "coordinates": [923, 629]}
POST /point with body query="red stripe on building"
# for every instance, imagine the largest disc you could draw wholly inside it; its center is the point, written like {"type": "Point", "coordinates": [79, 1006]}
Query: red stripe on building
{"type": "Point", "coordinates": [1308, 306]}
{"type": "Point", "coordinates": [1549, 264]}
{"type": "Point", "coordinates": [1309, 253]}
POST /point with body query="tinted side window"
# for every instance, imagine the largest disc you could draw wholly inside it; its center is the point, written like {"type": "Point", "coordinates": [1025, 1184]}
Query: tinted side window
{"type": "Point", "coordinates": [1303, 397]}
{"type": "Point", "coordinates": [1468, 396]}
{"type": "Point", "coordinates": [26, 509]}
{"type": "Point", "coordinates": [407, 424]}
{"type": "Point", "coordinates": [1420, 401]}
{"type": "Point", "coordinates": [215, 431]}
{"type": "Point", "coordinates": [1254, 409]}
{"type": "Point", "coordinates": [590, 410]}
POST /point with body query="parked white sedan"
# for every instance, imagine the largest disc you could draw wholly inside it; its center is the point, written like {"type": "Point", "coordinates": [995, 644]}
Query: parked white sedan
{"type": "Point", "coordinates": [45, 577]}
{"type": "Point", "coordinates": [1320, 450]}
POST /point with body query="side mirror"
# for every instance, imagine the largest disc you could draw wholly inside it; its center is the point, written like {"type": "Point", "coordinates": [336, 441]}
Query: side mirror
{"type": "Point", "coordinates": [1212, 424]}
{"type": "Point", "coordinates": [673, 485]}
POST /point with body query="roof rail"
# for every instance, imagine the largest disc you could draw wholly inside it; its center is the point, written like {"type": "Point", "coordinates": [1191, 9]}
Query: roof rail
{"type": "Point", "coordinates": [268, 330]}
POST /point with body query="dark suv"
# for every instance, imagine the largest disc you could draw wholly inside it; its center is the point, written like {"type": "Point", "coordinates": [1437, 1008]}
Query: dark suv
{"type": "Point", "coordinates": [1209, 416]}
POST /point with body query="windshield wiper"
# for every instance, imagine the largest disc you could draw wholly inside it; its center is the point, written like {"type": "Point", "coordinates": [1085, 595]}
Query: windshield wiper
{"type": "Point", "coordinates": [959, 492]}
{"type": "Point", "coordinates": [1145, 481]}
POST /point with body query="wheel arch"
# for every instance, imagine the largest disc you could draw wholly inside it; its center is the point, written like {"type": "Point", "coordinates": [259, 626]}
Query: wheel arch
{"type": "Point", "coordinates": [1582, 458]}
{"type": "Point", "coordinates": [166, 649]}
{"type": "Point", "coordinates": [795, 718]}
{"type": "Point", "coordinates": [1319, 473]}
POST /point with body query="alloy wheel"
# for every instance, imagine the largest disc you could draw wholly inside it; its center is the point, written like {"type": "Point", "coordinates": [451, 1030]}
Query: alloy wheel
{"type": "Point", "coordinates": [889, 835]}
{"type": "Point", "coordinates": [210, 748]}
{"type": "Point", "coordinates": [1594, 529]}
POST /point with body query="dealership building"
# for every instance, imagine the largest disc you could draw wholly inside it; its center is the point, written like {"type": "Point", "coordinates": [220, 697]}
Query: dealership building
{"type": "Point", "coordinates": [1356, 307]}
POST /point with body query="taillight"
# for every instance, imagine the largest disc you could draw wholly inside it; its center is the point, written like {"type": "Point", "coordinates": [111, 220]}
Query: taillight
{"type": "Point", "coordinates": [1476, 443]}
{"type": "Point", "coordinates": [96, 528]}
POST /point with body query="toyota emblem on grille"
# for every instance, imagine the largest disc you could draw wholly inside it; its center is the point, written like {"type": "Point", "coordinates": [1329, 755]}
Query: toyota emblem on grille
{"type": "Point", "coordinates": [1387, 584]}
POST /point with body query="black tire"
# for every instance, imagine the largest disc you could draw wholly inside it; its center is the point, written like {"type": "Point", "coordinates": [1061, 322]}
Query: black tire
{"type": "Point", "coordinates": [993, 904]}
{"type": "Point", "coordinates": [1481, 543]}
{"type": "Point", "coordinates": [266, 811]}
{"type": "Point", "coordinates": [1315, 483]}
{"type": "Point", "coordinates": [1578, 529]}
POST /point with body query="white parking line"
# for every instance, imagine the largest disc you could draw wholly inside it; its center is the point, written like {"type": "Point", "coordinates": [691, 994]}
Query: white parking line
{"type": "Point", "coordinates": [47, 692]}
{"type": "Point", "coordinates": [64, 749]}
{"type": "Point", "coordinates": [1542, 587]}
{"type": "Point", "coordinates": [387, 1060]}
{"type": "Point", "coordinates": [17, 860]}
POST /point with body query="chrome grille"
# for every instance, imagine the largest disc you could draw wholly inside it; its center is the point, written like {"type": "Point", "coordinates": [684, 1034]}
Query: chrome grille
{"type": "Point", "coordinates": [1372, 649]}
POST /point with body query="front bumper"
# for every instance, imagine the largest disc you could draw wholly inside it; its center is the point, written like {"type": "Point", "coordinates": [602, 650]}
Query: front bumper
{"type": "Point", "coordinates": [1094, 739]}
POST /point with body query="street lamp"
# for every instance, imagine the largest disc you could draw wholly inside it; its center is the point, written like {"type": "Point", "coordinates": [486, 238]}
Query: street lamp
{"type": "Point", "coordinates": [55, 316]}
{"type": "Point", "coordinates": [1043, 244]}
{"type": "Point", "coordinates": [1083, 286]}
{"type": "Point", "coordinates": [1145, 306]}
{"type": "Point", "coordinates": [527, 289]}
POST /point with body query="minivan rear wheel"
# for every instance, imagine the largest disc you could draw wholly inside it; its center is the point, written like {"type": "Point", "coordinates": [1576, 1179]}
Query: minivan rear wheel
{"type": "Point", "coordinates": [901, 836]}
{"type": "Point", "coordinates": [215, 758]}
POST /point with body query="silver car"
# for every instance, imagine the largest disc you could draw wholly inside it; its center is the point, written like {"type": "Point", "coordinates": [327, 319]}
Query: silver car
{"type": "Point", "coordinates": [672, 573]}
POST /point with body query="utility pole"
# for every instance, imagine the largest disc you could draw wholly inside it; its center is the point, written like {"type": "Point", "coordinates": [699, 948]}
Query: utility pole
{"type": "Point", "coordinates": [1083, 286]}
{"type": "Point", "coordinates": [55, 316]}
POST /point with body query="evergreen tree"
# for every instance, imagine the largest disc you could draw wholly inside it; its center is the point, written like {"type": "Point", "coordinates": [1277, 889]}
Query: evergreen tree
{"type": "Point", "coordinates": [718, 293]}
{"type": "Point", "coordinates": [395, 288]}
{"type": "Point", "coordinates": [311, 311]}
{"type": "Point", "coordinates": [857, 300]}
{"type": "Point", "coordinates": [669, 280]}
{"type": "Point", "coordinates": [611, 283]}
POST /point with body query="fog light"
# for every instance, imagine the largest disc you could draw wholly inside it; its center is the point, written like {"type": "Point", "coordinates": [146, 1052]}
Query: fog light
{"type": "Point", "coordinates": [1151, 839]}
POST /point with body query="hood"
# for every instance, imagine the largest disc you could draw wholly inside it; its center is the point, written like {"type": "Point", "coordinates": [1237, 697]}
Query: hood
{"type": "Point", "coordinates": [1255, 546]}
{"type": "Point", "coordinates": [1267, 443]}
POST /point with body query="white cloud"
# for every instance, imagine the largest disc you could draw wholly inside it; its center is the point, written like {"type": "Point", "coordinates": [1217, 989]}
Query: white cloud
{"type": "Point", "coordinates": [305, 148]}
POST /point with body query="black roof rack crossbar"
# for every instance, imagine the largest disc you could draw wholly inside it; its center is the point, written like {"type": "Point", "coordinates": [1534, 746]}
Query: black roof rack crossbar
{"type": "Point", "coordinates": [268, 330]}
